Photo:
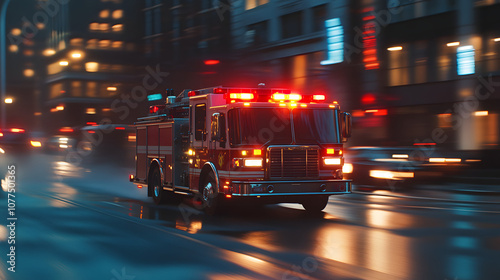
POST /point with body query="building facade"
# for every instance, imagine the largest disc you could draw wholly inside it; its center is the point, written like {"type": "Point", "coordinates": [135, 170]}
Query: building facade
{"type": "Point", "coordinates": [93, 60]}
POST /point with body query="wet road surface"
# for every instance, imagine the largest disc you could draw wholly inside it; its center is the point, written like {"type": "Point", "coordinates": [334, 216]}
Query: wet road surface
{"type": "Point", "coordinates": [89, 222]}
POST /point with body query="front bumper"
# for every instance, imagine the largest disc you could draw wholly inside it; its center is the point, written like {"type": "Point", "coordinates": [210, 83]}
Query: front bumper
{"type": "Point", "coordinates": [290, 188]}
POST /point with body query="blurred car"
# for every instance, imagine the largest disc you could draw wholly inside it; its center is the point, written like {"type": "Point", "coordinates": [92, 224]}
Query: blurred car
{"type": "Point", "coordinates": [109, 143]}
{"type": "Point", "coordinates": [19, 140]}
{"type": "Point", "coordinates": [65, 139]}
{"type": "Point", "coordinates": [383, 167]}
{"type": "Point", "coordinates": [397, 168]}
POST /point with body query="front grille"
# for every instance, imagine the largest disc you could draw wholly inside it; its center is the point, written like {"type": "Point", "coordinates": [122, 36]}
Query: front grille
{"type": "Point", "coordinates": [293, 162]}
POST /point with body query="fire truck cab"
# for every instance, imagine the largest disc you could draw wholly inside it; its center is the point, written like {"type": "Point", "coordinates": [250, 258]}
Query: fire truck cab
{"type": "Point", "coordinates": [220, 144]}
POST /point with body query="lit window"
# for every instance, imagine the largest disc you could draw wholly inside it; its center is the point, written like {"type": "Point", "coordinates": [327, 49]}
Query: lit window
{"type": "Point", "coordinates": [103, 44]}
{"type": "Point", "coordinates": [117, 45]}
{"type": "Point", "coordinates": [16, 31]}
{"type": "Point", "coordinates": [117, 14]}
{"type": "Point", "coordinates": [76, 42]}
{"type": "Point", "coordinates": [104, 14]}
{"type": "Point", "coordinates": [117, 27]}
{"type": "Point", "coordinates": [13, 48]}
{"type": "Point", "coordinates": [92, 43]}
{"type": "Point", "coordinates": [92, 66]}
{"type": "Point", "coordinates": [94, 26]}
{"type": "Point", "coordinates": [29, 73]}
{"type": "Point", "coordinates": [104, 26]}
{"type": "Point", "coordinates": [250, 4]}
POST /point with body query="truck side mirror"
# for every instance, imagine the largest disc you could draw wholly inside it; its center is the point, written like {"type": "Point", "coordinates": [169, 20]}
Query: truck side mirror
{"type": "Point", "coordinates": [218, 128]}
{"type": "Point", "coordinates": [346, 126]}
{"type": "Point", "coordinates": [215, 135]}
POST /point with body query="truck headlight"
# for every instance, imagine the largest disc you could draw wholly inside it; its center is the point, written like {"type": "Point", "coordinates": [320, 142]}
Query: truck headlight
{"type": "Point", "coordinates": [347, 168]}
{"type": "Point", "coordinates": [332, 161]}
{"type": "Point", "coordinates": [253, 162]}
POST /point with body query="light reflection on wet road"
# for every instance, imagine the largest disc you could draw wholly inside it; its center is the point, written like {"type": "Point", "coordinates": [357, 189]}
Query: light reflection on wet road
{"type": "Point", "coordinates": [78, 217]}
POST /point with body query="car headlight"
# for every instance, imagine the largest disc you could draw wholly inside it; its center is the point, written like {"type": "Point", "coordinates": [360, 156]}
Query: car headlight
{"type": "Point", "coordinates": [347, 168]}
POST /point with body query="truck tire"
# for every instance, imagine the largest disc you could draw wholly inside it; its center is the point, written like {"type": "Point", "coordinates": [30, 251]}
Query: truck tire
{"type": "Point", "coordinates": [315, 204]}
{"type": "Point", "coordinates": [158, 193]}
{"type": "Point", "coordinates": [209, 194]}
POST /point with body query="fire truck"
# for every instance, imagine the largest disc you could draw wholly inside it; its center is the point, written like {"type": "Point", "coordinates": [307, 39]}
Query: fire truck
{"type": "Point", "coordinates": [261, 144]}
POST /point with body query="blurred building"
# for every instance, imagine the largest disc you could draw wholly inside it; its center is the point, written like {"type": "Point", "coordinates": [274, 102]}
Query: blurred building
{"type": "Point", "coordinates": [93, 60]}
{"type": "Point", "coordinates": [190, 39]}
{"type": "Point", "coordinates": [286, 44]}
{"type": "Point", "coordinates": [23, 57]}
{"type": "Point", "coordinates": [438, 63]}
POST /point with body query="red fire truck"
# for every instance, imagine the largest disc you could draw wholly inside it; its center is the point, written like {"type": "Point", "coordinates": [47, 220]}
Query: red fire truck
{"type": "Point", "coordinates": [221, 144]}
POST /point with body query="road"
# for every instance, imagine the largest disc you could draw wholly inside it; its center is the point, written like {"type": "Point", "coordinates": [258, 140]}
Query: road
{"type": "Point", "coordinates": [89, 222]}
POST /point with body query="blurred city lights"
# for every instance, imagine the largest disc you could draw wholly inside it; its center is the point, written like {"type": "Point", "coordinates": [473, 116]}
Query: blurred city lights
{"type": "Point", "coordinates": [63, 63]}
{"type": "Point", "coordinates": [397, 48]}
{"type": "Point", "coordinates": [453, 44]}
{"type": "Point", "coordinates": [76, 54]}
{"type": "Point", "coordinates": [92, 66]}
{"type": "Point", "coordinates": [9, 100]}
{"type": "Point", "coordinates": [49, 52]}
{"type": "Point", "coordinates": [480, 113]}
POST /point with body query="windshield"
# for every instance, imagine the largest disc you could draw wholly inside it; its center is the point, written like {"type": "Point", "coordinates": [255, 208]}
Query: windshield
{"type": "Point", "coordinates": [315, 126]}
{"type": "Point", "coordinates": [259, 126]}
{"type": "Point", "coordinates": [263, 126]}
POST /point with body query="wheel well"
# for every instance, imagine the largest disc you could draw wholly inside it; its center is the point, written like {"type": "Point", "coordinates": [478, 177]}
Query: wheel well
{"type": "Point", "coordinates": [205, 171]}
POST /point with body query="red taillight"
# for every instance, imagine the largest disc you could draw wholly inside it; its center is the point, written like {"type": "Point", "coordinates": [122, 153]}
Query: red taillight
{"type": "Point", "coordinates": [66, 129]}
{"type": "Point", "coordinates": [120, 128]}
{"type": "Point", "coordinates": [330, 151]}
{"type": "Point", "coordinates": [211, 62]}
{"type": "Point", "coordinates": [17, 130]}
{"type": "Point", "coordinates": [92, 123]}
{"type": "Point", "coordinates": [319, 97]}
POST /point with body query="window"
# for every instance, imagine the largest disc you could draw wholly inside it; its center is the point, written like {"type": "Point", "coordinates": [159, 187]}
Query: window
{"type": "Point", "coordinates": [319, 17]}
{"type": "Point", "coordinates": [398, 67]}
{"type": "Point", "coordinates": [291, 25]}
{"type": "Point", "coordinates": [250, 4]}
{"type": "Point", "coordinates": [200, 114]}
{"type": "Point", "coordinates": [257, 34]}
{"type": "Point", "coordinates": [117, 14]}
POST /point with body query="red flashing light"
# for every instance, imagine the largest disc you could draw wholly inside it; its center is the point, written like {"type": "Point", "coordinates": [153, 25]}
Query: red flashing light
{"type": "Point", "coordinates": [154, 109]}
{"type": "Point", "coordinates": [120, 128]}
{"type": "Point", "coordinates": [424, 144]}
{"type": "Point", "coordinates": [191, 93]}
{"type": "Point", "coordinates": [17, 130]}
{"type": "Point", "coordinates": [319, 97]}
{"type": "Point", "coordinates": [211, 62]}
{"type": "Point", "coordinates": [241, 96]}
{"type": "Point", "coordinates": [92, 123]}
{"type": "Point", "coordinates": [220, 90]}
{"type": "Point", "coordinates": [66, 129]}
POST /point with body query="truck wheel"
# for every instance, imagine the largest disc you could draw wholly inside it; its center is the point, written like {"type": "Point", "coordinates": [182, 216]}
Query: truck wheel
{"type": "Point", "coordinates": [315, 204]}
{"type": "Point", "coordinates": [159, 195]}
{"type": "Point", "coordinates": [209, 195]}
